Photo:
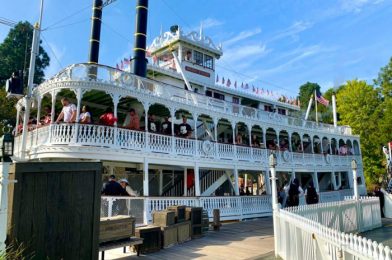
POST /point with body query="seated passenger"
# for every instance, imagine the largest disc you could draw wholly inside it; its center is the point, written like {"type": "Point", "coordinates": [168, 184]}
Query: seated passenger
{"type": "Point", "coordinates": [185, 130]}
{"type": "Point", "coordinates": [238, 139]}
{"type": "Point", "coordinates": [108, 118]}
{"type": "Point", "coordinates": [47, 118]}
{"type": "Point", "coordinates": [343, 150]}
{"type": "Point", "coordinates": [255, 141]}
{"type": "Point", "coordinates": [85, 116]}
{"type": "Point", "coordinates": [132, 120]}
{"type": "Point", "coordinates": [153, 126]}
{"type": "Point", "coordinates": [166, 127]}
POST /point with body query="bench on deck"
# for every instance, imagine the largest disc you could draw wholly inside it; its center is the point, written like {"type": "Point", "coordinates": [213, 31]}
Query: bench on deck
{"type": "Point", "coordinates": [132, 241]}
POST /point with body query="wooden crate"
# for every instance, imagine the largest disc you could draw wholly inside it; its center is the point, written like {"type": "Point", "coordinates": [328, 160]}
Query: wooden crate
{"type": "Point", "coordinates": [183, 231]}
{"type": "Point", "coordinates": [179, 213]}
{"type": "Point", "coordinates": [169, 236]}
{"type": "Point", "coordinates": [115, 228]}
{"type": "Point", "coordinates": [205, 221]}
{"type": "Point", "coordinates": [163, 218]}
{"type": "Point", "coordinates": [196, 231]}
{"type": "Point", "coordinates": [194, 214]}
{"type": "Point", "coordinates": [152, 238]}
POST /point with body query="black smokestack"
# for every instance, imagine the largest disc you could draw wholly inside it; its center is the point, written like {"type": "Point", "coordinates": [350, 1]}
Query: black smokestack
{"type": "Point", "coordinates": [95, 32]}
{"type": "Point", "coordinates": [139, 51]}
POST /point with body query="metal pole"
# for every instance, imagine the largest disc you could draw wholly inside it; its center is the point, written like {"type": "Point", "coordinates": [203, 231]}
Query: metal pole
{"type": "Point", "coordinates": [275, 205]}
{"type": "Point", "coordinates": [335, 120]}
{"type": "Point", "coordinates": [315, 103]}
{"type": "Point", "coordinates": [34, 53]}
{"type": "Point", "coordinates": [309, 107]}
{"type": "Point", "coordinates": [354, 167]}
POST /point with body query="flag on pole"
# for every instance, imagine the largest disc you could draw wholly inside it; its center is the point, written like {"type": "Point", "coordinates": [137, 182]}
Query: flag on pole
{"type": "Point", "coordinates": [217, 78]}
{"type": "Point", "coordinates": [228, 83]}
{"type": "Point", "coordinates": [223, 80]}
{"type": "Point", "coordinates": [235, 84]}
{"type": "Point", "coordinates": [126, 61]}
{"type": "Point", "coordinates": [322, 100]}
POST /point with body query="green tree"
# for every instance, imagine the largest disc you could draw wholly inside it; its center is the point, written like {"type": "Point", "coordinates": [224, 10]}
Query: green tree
{"type": "Point", "coordinates": [360, 107]}
{"type": "Point", "coordinates": [305, 91]}
{"type": "Point", "coordinates": [15, 55]}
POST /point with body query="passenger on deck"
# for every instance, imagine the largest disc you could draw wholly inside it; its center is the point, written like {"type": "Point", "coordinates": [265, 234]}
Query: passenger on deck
{"type": "Point", "coordinates": [294, 191]}
{"type": "Point", "coordinates": [343, 150]}
{"type": "Point", "coordinates": [108, 118]}
{"type": "Point", "coordinates": [238, 139]}
{"type": "Point", "coordinates": [47, 118]}
{"type": "Point", "coordinates": [125, 184]}
{"type": "Point", "coordinates": [311, 194]}
{"type": "Point", "coordinates": [255, 141]}
{"type": "Point", "coordinates": [68, 113]}
{"type": "Point", "coordinates": [113, 188]}
{"type": "Point", "coordinates": [85, 116]}
{"type": "Point", "coordinates": [166, 127]}
{"type": "Point", "coordinates": [284, 145]}
{"type": "Point", "coordinates": [132, 120]}
{"type": "Point", "coordinates": [153, 126]}
{"type": "Point", "coordinates": [185, 130]}
{"type": "Point", "coordinates": [188, 56]}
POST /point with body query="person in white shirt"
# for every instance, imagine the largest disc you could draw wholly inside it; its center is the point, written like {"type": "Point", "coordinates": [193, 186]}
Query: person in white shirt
{"type": "Point", "coordinates": [125, 184]}
{"type": "Point", "coordinates": [68, 113]}
{"type": "Point", "coordinates": [85, 116]}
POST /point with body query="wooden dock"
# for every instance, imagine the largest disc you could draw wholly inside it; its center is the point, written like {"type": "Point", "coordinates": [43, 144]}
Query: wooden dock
{"type": "Point", "coordinates": [252, 239]}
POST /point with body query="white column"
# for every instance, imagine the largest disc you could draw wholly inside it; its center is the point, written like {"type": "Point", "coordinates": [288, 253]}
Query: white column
{"type": "Point", "coordinates": [146, 107]}
{"type": "Point", "coordinates": [315, 181]}
{"type": "Point", "coordinates": [265, 138]}
{"type": "Point", "coordinates": [173, 116]}
{"type": "Point", "coordinates": [275, 204]}
{"type": "Point", "coordinates": [290, 143]}
{"type": "Point", "coordinates": [195, 117]}
{"type": "Point", "coordinates": [236, 185]}
{"type": "Point", "coordinates": [53, 112]}
{"type": "Point", "coordinates": [335, 120]}
{"type": "Point", "coordinates": [185, 182]}
{"type": "Point", "coordinates": [197, 180]}
{"type": "Point", "coordinates": [216, 129]}
{"type": "Point", "coordinates": [250, 135]}
{"type": "Point", "coordinates": [17, 120]}
{"type": "Point", "coordinates": [333, 180]}
{"type": "Point", "coordinates": [115, 99]}
{"type": "Point", "coordinates": [267, 181]}
{"type": "Point", "coordinates": [4, 173]}
{"type": "Point", "coordinates": [233, 126]}
{"type": "Point", "coordinates": [39, 102]}
{"type": "Point", "coordinates": [354, 167]}
{"type": "Point", "coordinates": [160, 182]}
{"type": "Point", "coordinates": [145, 179]}
{"type": "Point", "coordinates": [246, 181]}
{"type": "Point", "coordinates": [79, 103]}
{"type": "Point", "coordinates": [180, 52]}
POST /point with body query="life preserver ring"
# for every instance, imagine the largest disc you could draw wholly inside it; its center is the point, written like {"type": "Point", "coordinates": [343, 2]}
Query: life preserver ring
{"type": "Point", "coordinates": [286, 156]}
{"type": "Point", "coordinates": [207, 147]}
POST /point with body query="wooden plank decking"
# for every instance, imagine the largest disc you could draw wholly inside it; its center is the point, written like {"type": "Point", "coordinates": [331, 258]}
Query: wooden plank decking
{"type": "Point", "coordinates": [252, 239]}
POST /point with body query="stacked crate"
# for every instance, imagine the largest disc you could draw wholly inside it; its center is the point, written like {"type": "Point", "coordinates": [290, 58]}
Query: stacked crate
{"type": "Point", "coordinates": [166, 221]}
{"type": "Point", "coordinates": [116, 228]}
{"type": "Point", "coordinates": [194, 214]}
{"type": "Point", "coordinates": [205, 221]}
{"type": "Point", "coordinates": [152, 238]}
{"type": "Point", "coordinates": [183, 227]}
{"type": "Point", "coordinates": [179, 213]}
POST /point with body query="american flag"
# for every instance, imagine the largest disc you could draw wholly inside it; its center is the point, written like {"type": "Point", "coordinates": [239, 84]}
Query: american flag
{"type": "Point", "coordinates": [321, 99]}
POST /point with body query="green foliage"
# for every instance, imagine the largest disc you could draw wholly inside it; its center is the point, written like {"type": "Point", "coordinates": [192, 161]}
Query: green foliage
{"type": "Point", "coordinates": [305, 91]}
{"type": "Point", "coordinates": [15, 53]}
{"type": "Point", "coordinates": [360, 107]}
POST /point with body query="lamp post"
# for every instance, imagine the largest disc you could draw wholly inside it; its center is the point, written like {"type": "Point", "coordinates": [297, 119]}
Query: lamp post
{"type": "Point", "coordinates": [275, 205]}
{"type": "Point", "coordinates": [354, 167]}
{"type": "Point", "coordinates": [7, 150]}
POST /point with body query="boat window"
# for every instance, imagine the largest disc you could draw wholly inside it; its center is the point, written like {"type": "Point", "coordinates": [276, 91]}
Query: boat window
{"type": "Point", "coordinates": [281, 111]}
{"type": "Point", "coordinates": [236, 100]}
{"type": "Point", "coordinates": [198, 57]}
{"type": "Point", "coordinates": [209, 93]}
{"type": "Point", "coordinates": [208, 62]}
{"type": "Point", "coordinates": [268, 108]}
{"type": "Point", "coordinates": [219, 96]}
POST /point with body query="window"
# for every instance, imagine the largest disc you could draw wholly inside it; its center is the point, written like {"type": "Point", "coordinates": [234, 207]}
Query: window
{"type": "Point", "coordinates": [268, 108]}
{"type": "Point", "coordinates": [208, 62]}
{"type": "Point", "coordinates": [209, 93]}
{"type": "Point", "coordinates": [198, 57]}
{"type": "Point", "coordinates": [236, 100]}
{"type": "Point", "coordinates": [219, 96]}
{"type": "Point", "coordinates": [282, 111]}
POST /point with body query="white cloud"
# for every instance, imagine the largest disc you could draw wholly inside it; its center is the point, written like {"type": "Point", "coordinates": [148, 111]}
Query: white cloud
{"type": "Point", "coordinates": [244, 54]}
{"type": "Point", "coordinates": [207, 24]}
{"type": "Point", "coordinates": [242, 36]}
{"type": "Point", "coordinates": [356, 6]}
{"type": "Point", "coordinates": [292, 30]}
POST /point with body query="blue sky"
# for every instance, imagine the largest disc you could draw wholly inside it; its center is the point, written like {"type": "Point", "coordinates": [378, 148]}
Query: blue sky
{"type": "Point", "coordinates": [276, 45]}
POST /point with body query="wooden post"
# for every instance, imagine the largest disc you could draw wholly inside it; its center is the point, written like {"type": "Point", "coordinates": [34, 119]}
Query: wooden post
{"type": "Point", "coordinates": [216, 219]}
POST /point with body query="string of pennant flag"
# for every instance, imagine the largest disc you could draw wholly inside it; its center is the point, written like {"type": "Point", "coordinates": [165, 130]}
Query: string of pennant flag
{"type": "Point", "coordinates": [266, 93]}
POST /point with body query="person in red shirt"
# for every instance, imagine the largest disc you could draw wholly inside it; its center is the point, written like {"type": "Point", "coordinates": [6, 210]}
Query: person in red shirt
{"type": "Point", "coordinates": [108, 118]}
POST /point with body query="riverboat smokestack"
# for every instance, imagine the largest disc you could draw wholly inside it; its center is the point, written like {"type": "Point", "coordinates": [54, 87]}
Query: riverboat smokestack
{"type": "Point", "coordinates": [139, 61]}
{"type": "Point", "coordinates": [95, 32]}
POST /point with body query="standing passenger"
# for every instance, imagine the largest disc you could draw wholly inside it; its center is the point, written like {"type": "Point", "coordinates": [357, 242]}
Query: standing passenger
{"type": "Point", "coordinates": [108, 118]}
{"type": "Point", "coordinates": [132, 120]}
{"type": "Point", "coordinates": [185, 129]}
{"type": "Point", "coordinates": [68, 113]}
{"type": "Point", "coordinates": [311, 194]}
{"type": "Point", "coordinates": [166, 127]}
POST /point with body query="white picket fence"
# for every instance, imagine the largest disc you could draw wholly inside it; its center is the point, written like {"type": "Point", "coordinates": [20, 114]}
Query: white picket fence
{"type": "Point", "coordinates": [231, 207]}
{"type": "Point", "coordinates": [321, 231]}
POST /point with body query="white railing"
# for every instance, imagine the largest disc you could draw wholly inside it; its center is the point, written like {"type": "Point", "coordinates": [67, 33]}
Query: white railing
{"type": "Point", "coordinates": [319, 231]}
{"type": "Point", "coordinates": [128, 81]}
{"type": "Point", "coordinates": [209, 178]}
{"type": "Point", "coordinates": [231, 207]}
{"type": "Point", "coordinates": [120, 138]}
{"type": "Point", "coordinates": [330, 196]}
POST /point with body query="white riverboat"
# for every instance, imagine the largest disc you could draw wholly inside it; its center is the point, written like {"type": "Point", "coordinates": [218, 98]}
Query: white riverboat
{"type": "Point", "coordinates": [232, 133]}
